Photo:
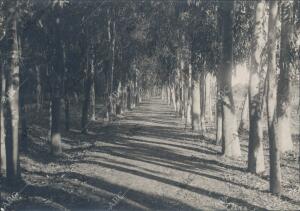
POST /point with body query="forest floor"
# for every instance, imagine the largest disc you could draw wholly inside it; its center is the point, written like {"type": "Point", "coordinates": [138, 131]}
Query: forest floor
{"type": "Point", "coordinates": [144, 160]}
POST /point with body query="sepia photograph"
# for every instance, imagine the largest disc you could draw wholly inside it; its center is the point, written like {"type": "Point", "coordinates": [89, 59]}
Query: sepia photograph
{"type": "Point", "coordinates": [141, 105]}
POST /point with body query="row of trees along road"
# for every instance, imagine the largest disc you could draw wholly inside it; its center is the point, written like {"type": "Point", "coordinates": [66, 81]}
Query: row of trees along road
{"type": "Point", "coordinates": [57, 52]}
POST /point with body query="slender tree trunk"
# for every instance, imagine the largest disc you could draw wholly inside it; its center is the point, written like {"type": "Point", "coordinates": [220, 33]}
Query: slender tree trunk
{"type": "Point", "coordinates": [231, 145]}
{"type": "Point", "coordinates": [128, 97]}
{"type": "Point", "coordinates": [119, 99]}
{"type": "Point", "coordinates": [183, 102]}
{"type": "Point", "coordinates": [275, 171]}
{"type": "Point", "coordinates": [185, 105]}
{"type": "Point", "coordinates": [93, 94]}
{"type": "Point", "coordinates": [297, 30]}
{"type": "Point", "coordinates": [208, 105]}
{"type": "Point", "coordinates": [196, 104]}
{"type": "Point", "coordinates": [136, 91]}
{"type": "Point", "coordinates": [173, 93]}
{"type": "Point", "coordinates": [124, 105]}
{"type": "Point", "coordinates": [2, 128]}
{"type": "Point", "coordinates": [11, 105]}
{"type": "Point", "coordinates": [166, 93]}
{"type": "Point", "coordinates": [219, 96]}
{"type": "Point", "coordinates": [56, 92]}
{"type": "Point", "coordinates": [50, 119]}
{"type": "Point", "coordinates": [87, 95]}
{"type": "Point", "coordinates": [219, 112]}
{"type": "Point", "coordinates": [113, 44]}
{"type": "Point", "coordinates": [67, 113]}
{"type": "Point", "coordinates": [202, 102]}
{"type": "Point", "coordinates": [24, 137]}
{"type": "Point", "coordinates": [189, 106]}
{"type": "Point", "coordinates": [256, 86]}
{"type": "Point", "coordinates": [169, 94]}
{"type": "Point", "coordinates": [38, 89]}
{"type": "Point", "coordinates": [286, 65]}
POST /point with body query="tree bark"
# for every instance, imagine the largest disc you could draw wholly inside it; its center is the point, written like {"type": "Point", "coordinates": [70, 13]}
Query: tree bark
{"type": "Point", "coordinates": [11, 105]}
{"type": "Point", "coordinates": [56, 89]}
{"type": "Point", "coordinates": [275, 170]}
{"type": "Point", "coordinates": [231, 145]}
{"type": "Point", "coordinates": [208, 104]}
{"type": "Point", "coordinates": [196, 112]}
{"type": "Point", "coordinates": [38, 89]}
{"type": "Point", "coordinates": [285, 64]}
{"type": "Point", "coordinates": [244, 113]}
{"type": "Point", "coordinates": [173, 94]}
{"type": "Point", "coordinates": [189, 105]}
{"type": "Point", "coordinates": [93, 93]}
{"type": "Point", "coordinates": [67, 113]}
{"type": "Point", "coordinates": [183, 99]}
{"type": "Point", "coordinates": [24, 137]}
{"type": "Point", "coordinates": [256, 86]}
{"type": "Point", "coordinates": [219, 111]}
{"type": "Point", "coordinates": [128, 96]}
{"type": "Point", "coordinates": [87, 95]}
{"type": "Point", "coordinates": [202, 102]}
{"type": "Point", "coordinates": [2, 128]}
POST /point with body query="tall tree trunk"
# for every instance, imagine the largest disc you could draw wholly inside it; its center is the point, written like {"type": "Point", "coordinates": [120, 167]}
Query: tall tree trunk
{"type": "Point", "coordinates": [67, 113]}
{"type": "Point", "coordinates": [231, 145]}
{"type": "Point", "coordinates": [124, 97]}
{"type": "Point", "coordinates": [132, 97]}
{"type": "Point", "coordinates": [87, 95]}
{"type": "Point", "coordinates": [173, 93]}
{"type": "Point", "coordinates": [256, 86]}
{"type": "Point", "coordinates": [113, 58]}
{"type": "Point", "coordinates": [11, 105]}
{"type": "Point", "coordinates": [38, 88]}
{"type": "Point", "coordinates": [285, 64]}
{"type": "Point", "coordinates": [56, 92]}
{"type": "Point", "coordinates": [2, 128]}
{"type": "Point", "coordinates": [275, 171]}
{"type": "Point", "coordinates": [297, 30]}
{"type": "Point", "coordinates": [189, 105]}
{"type": "Point", "coordinates": [208, 104]}
{"type": "Point", "coordinates": [128, 96]}
{"type": "Point", "coordinates": [182, 96]}
{"type": "Point", "coordinates": [202, 102]}
{"type": "Point", "coordinates": [93, 94]}
{"type": "Point", "coordinates": [219, 111]}
{"type": "Point", "coordinates": [196, 103]}
{"type": "Point", "coordinates": [24, 137]}
{"type": "Point", "coordinates": [119, 99]}
{"type": "Point", "coordinates": [167, 94]}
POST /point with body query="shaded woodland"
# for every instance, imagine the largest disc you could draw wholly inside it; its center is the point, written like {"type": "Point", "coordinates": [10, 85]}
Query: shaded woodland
{"type": "Point", "coordinates": [150, 105]}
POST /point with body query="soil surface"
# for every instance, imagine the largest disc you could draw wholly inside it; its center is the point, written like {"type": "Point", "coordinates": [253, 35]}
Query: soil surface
{"type": "Point", "coordinates": [145, 159]}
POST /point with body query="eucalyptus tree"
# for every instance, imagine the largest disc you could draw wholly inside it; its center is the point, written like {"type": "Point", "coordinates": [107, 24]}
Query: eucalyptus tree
{"type": "Point", "coordinates": [231, 145]}
{"type": "Point", "coordinates": [275, 171]}
{"type": "Point", "coordinates": [56, 74]}
{"type": "Point", "coordinates": [256, 92]}
{"type": "Point", "coordinates": [286, 65]}
{"type": "Point", "coordinates": [11, 93]}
